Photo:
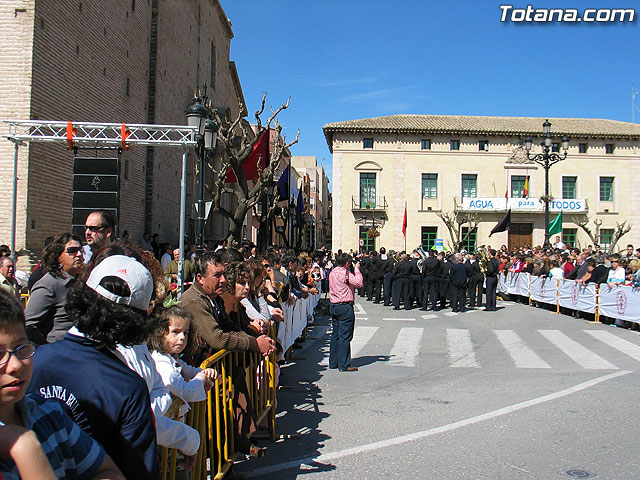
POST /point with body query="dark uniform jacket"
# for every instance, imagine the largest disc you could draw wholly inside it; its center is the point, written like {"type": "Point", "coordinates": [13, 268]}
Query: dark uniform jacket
{"type": "Point", "coordinates": [458, 274]}
{"type": "Point", "coordinates": [431, 267]}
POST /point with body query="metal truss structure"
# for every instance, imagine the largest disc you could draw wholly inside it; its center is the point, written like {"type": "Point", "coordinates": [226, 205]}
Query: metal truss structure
{"type": "Point", "coordinates": [90, 134]}
{"type": "Point", "coordinates": [101, 135]}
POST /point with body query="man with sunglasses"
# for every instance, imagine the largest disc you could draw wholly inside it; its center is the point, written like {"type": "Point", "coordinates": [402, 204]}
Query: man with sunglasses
{"type": "Point", "coordinates": [99, 230]}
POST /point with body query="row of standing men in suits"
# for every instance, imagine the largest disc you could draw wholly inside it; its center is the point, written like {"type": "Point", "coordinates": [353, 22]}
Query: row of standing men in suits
{"type": "Point", "coordinates": [430, 283]}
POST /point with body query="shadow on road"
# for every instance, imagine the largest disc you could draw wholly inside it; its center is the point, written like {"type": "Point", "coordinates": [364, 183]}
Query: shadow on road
{"type": "Point", "coordinates": [300, 410]}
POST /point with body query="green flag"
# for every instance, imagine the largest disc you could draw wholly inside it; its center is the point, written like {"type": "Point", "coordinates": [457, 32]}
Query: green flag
{"type": "Point", "coordinates": [555, 227]}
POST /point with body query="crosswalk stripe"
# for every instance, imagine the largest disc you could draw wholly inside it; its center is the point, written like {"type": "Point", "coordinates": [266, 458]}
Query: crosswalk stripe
{"type": "Point", "coordinates": [521, 354]}
{"type": "Point", "coordinates": [361, 337]}
{"type": "Point", "coordinates": [392, 319]}
{"type": "Point", "coordinates": [359, 310]}
{"type": "Point", "coordinates": [460, 348]}
{"type": "Point", "coordinates": [428, 316]}
{"type": "Point", "coordinates": [579, 354]}
{"type": "Point", "coordinates": [616, 342]}
{"type": "Point", "coordinates": [407, 347]}
{"type": "Point", "coordinates": [451, 314]}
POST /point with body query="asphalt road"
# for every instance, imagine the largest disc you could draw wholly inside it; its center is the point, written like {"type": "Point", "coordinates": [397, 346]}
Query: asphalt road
{"type": "Point", "coordinates": [516, 394]}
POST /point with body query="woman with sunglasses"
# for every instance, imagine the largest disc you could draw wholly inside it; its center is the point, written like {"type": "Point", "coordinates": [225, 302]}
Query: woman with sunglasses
{"type": "Point", "coordinates": [617, 275]}
{"type": "Point", "coordinates": [47, 319]}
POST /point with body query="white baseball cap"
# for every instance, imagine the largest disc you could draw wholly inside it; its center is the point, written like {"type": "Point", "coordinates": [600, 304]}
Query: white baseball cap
{"type": "Point", "coordinates": [136, 276]}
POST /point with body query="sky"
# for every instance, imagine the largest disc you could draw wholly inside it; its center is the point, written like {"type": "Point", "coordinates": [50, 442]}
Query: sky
{"type": "Point", "coordinates": [351, 59]}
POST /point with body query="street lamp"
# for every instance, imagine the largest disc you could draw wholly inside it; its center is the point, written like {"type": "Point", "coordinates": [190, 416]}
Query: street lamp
{"type": "Point", "coordinates": [546, 159]}
{"type": "Point", "coordinates": [198, 115]}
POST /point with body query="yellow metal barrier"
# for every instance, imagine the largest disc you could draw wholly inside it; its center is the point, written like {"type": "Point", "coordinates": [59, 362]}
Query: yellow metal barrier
{"type": "Point", "coordinates": [214, 417]}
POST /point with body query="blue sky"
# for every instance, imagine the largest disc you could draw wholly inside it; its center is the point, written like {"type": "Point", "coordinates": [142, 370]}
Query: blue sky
{"type": "Point", "coordinates": [349, 59]}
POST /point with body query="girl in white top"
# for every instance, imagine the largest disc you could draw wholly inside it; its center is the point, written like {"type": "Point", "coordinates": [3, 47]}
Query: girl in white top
{"type": "Point", "coordinates": [617, 274]}
{"type": "Point", "coordinates": [556, 271]}
{"type": "Point", "coordinates": [188, 383]}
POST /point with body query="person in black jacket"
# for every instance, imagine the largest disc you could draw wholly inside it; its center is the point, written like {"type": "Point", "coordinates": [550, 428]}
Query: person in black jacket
{"type": "Point", "coordinates": [458, 283]}
{"type": "Point", "coordinates": [415, 283]}
{"type": "Point", "coordinates": [445, 280]}
{"type": "Point", "coordinates": [390, 262]}
{"type": "Point", "coordinates": [493, 266]}
{"type": "Point", "coordinates": [376, 274]}
{"type": "Point", "coordinates": [476, 281]}
{"type": "Point", "coordinates": [431, 283]}
{"type": "Point", "coordinates": [401, 273]}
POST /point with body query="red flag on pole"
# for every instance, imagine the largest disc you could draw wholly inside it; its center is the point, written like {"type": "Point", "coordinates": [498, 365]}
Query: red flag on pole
{"type": "Point", "coordinates": [404, 222]}
{"type": "Point", "coordinates": [260, 153]}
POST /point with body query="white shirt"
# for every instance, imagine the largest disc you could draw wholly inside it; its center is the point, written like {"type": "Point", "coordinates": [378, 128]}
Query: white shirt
{"type": "Point", "coordinates": [165, 260]}
{"type": "Point", "coordinates": [556, 272]}
{"type": "Point", "coordinates": [174, 374]}
{"type": "Point", "coordinates": [169, 433]}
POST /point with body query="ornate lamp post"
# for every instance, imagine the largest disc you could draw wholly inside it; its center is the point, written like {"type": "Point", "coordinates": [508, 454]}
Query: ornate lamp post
{"type": "Point", "coordinates": [546, 159]}
{"type": "Point", "coordinates": [198, 115]}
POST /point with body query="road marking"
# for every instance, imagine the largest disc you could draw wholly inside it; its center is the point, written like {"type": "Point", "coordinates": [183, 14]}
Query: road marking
{"type": "Point", "coordinates": [451, 314]}
{"type": "Point", "coordinates": [411, 437]}
{"type": "Point", "coordinates": [391, 319]}
{"type": "Point", "coordinates": [406, 348]}
{"type": "Point", "coordinates": [359, 309]}
{"type": "Point", "coordinates": [616, 342]}
{"type": "Point", "coordinates": [579, 354]}
{"type": "Point", "coordinates": [522, 356]}
{"type": "Point", "coordinates": [429, 315]}
{"type": "Point", "coordinates": [361, 336]}
{"type": "Point", "coordinates": [460, 348]}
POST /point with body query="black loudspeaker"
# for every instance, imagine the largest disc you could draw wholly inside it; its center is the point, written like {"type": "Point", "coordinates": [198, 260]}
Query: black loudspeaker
{"type": "Point", "coordinates": [96, 186]}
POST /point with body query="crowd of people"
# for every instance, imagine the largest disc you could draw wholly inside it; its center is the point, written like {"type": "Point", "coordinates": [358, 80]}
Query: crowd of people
{"type": "Point", "coordinates": [104, 349]}
{"type": "Point", "coordinates": [436, 280]}
{"type": "Point", "coordinates": [116, 347]}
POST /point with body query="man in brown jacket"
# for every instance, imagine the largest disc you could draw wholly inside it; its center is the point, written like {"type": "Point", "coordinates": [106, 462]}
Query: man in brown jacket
{"type": "Point", "coordinates": [211, 324]}
{"type": "Point", "coordinates": [214, 331]}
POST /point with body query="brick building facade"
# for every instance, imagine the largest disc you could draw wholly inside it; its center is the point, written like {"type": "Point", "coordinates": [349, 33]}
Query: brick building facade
{"type": "Point", "coordinates": [132, 61]}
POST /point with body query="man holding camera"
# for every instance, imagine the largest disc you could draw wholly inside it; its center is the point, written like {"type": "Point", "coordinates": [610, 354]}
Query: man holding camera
{"type": "Point", "coordinates": [342, 285]}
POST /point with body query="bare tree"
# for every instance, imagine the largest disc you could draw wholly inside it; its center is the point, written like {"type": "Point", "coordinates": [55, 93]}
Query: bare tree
{"type": "Point", "coordinates": [235, 142]}
{"type": "Point", "coordinates": [454, 221]}
{"type": "Point", "coordinates": [583, 222]}
{"type": "Point", "coordinates": [594, 235]}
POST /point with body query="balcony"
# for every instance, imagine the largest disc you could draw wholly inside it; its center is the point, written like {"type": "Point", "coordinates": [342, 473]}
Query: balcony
{"type": "Point", "coordinates": [368, 204]}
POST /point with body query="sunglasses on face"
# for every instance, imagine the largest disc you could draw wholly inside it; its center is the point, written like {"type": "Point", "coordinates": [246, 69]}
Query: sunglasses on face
{"type": "Point", "coordinates": [266, 265]}
{"type": "Point", "coordinates": [72, 250]}
{"type": "Point", "coordinates": [93, 228]}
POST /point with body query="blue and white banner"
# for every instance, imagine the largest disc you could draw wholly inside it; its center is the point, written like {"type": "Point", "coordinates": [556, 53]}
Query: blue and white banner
{"type": "Point", "coordinates": [577, 297]}
{"type": "Point", "coordinates": [619, 302]}
{"type": "Point", "coordinates": [544, 290]}
{"type": "Point", "coordinates": [523, 284]}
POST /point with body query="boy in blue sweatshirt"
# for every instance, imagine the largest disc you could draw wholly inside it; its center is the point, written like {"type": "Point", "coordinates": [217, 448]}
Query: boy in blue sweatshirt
{"type": "Point", "coordinates": [37, 439]}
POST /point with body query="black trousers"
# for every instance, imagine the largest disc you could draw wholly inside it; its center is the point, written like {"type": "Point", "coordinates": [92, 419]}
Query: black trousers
{"type": "Point", "coordinates": [430, 291]}
{"type": "Point", "coordinates": [374, 287]}
{"type": "Point", "coordinates": [474, 290]}
{"type": "Point", "coordinates": [400, 291]}
{"type": "Point", "coordinates": [415, 290]}
{"type": "Point", "coordinates": [458, 296]}
{"type": "Point", "coordinates": [445, 292]}
{"type": "Point", "coordinates": [492, 285]}
{"type": "Point", "coordinates": [388, 282]}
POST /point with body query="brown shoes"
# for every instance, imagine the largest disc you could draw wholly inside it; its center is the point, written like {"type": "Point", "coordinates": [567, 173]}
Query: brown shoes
{"type": "Point", "coordinates": [350, 369]}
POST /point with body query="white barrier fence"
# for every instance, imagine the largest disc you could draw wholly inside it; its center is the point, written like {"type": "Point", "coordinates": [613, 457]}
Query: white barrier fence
{"type": "Point", "coordinates": [619, 302]}
{"type": "Point", "coordinates": [295, 319]}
